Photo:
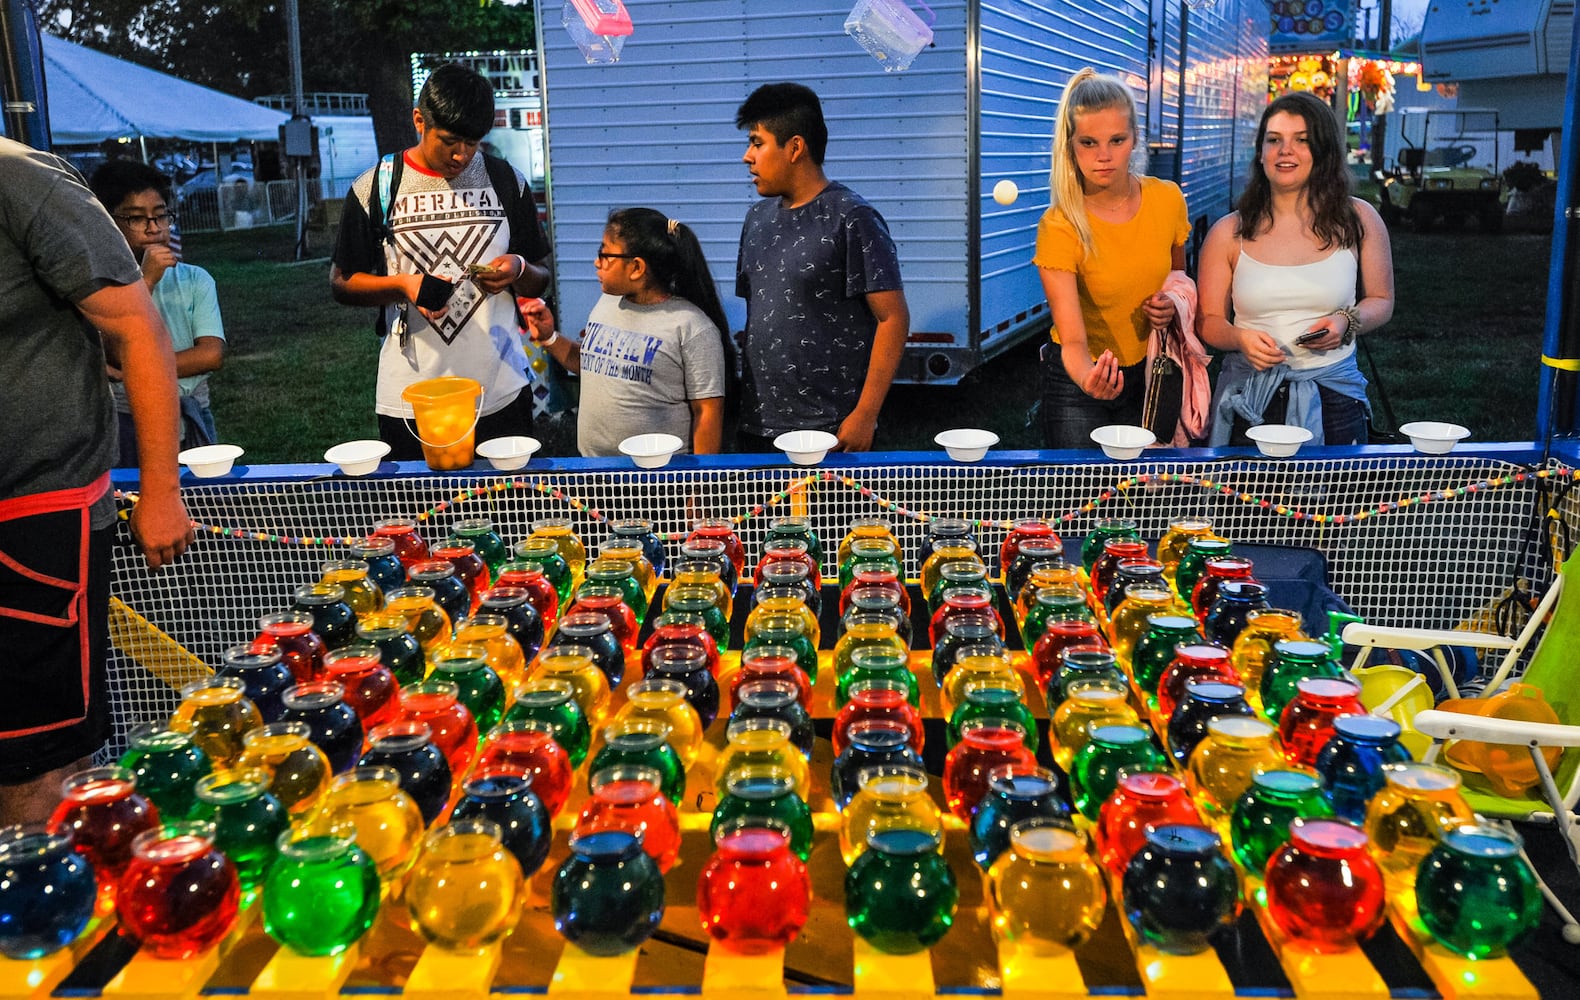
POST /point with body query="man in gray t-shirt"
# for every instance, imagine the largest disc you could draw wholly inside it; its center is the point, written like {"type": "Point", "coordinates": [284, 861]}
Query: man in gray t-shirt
{"type": "Point", "coordinates": [71, 297]}
{"type": "Point", "coordinates": [826, 318]}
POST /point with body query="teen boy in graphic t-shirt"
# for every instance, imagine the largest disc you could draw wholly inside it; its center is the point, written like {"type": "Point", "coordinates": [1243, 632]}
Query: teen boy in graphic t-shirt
{"type": "Point", "coordinates": [454, 260]}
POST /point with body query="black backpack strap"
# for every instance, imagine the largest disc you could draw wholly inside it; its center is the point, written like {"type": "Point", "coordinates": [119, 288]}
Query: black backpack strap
{"type": "Point", "coordinates": [503, 177]}
{"type": "Point", "coordinates": [381, 198]}
{"type": "Point", "coordinates": [381, 195]}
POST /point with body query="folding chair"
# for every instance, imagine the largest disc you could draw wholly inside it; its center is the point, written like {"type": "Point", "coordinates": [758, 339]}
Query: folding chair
{"type": "Point", "coordinates": [1553, 670]}
{"type": "Point", "coordinates": [1412, 696]}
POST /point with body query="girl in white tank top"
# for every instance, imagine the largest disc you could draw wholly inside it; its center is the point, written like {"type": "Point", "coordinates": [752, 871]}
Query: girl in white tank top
{"type": "Point", "coordinates": [1291, 279]}
{"type": "Point", "coordinates": [1283, 301]}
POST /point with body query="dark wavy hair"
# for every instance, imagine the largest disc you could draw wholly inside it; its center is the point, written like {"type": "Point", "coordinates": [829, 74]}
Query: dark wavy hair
{"type": "Point", "coordinates": [117, 180]}
{"type": "Point", "coordinates": [1328, 190]}
{"type": "Point", "coordinates": [675, 257]}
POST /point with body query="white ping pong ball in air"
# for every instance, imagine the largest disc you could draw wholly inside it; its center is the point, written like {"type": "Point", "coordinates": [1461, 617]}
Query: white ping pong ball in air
{"type": "Point", "coordinates": [1005, 192]}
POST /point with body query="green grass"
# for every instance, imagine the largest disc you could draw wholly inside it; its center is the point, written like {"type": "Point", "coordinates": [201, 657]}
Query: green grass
{"type": "Point", "coordinates": [299, 369]}
{"type": "Point", "coordinates": [1465, 342]}
{"type": "Point", "coordinates": [1464, 345]}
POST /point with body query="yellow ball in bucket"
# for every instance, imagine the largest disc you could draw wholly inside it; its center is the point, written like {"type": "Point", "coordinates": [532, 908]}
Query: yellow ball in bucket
{"type": "Point", "coordinates": [446, 411]}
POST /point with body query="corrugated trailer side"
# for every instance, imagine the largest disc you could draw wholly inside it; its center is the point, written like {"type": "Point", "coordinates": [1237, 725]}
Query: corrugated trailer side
{"type": "Point", "coordinates": [1225, 82]}
{"type": "Point", "coordinates": [657, 128]}
{"type": "Point", "coordinates": [1203, 119]}
{"type": "Point", "coordinates": [925, 146]}
{"type": "Point", "coordinates": [1251, 98]}
{"type": "Point", "coordinates": [1027, 51]}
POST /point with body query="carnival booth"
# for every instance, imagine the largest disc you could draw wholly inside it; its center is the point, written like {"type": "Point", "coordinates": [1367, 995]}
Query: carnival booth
{"type": "Point", "coordinates": [1312, 47]}
{"type": "Point", "coordinates": [1175, 723]}
{"type": "Point", "coordinates": [1038, 723]}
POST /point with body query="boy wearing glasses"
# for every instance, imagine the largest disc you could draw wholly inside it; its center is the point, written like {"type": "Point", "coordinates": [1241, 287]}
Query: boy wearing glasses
{"type": "Point", "coordinates": [136, 196]}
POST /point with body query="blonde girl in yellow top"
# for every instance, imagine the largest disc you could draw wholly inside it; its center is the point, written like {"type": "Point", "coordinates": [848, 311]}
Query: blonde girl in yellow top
{"type": "Point", "coordinates": [1108, 240]}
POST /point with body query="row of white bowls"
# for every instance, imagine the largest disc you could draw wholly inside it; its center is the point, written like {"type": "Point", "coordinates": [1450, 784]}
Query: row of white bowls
{"type": "Point", "coordinates": [1124, 442]}
{"type": "Point", "coordinates": [356, 458]}
{"type": "Point", "coordinates": [653, 451]}
{"type": "Point", "coordinates": [1121, 442]}
{"type": "Point", "coordinates": [648, 451]}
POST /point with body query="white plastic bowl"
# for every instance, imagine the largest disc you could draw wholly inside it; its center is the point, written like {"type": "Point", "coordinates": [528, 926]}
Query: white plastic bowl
{"type": "Point", "coordinates": [357, 458]}
{"type": "Point", "coordinates": [1433, 437]}
{"type": "Point", "coordinates": [1123, 442]}
{"type": "Point", "coordinates": [805, 447]}
{"type": "Point", "coordinates": [211, 460]}
{"type": "Point", "coordinates": [1278, 440]}
{"type": "Point", "coordinates": [966, 444]}
{"type": "Point", "coordinates": [651, 451]}
{"type": "Point", "coordinates": [509, 453]}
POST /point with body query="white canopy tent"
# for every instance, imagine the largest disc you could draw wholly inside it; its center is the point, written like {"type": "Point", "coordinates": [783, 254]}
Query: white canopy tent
{"type": "Point", "coordinates": [94, 96]}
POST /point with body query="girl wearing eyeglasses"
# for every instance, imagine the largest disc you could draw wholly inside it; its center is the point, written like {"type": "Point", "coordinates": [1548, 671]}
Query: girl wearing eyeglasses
{"type": "Point", "coordinates": [652, 355]}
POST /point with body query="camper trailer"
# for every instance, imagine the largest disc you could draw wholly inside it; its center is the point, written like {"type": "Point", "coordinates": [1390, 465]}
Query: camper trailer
{"type": "Point", "coordinates": [926, 145]}
{"type": "Point", "coordinates": [1511, 56]}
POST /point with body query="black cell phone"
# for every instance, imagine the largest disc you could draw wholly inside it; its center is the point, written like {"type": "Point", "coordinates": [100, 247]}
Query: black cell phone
{"type": "Point", "coordinates": [1306, 338]}
{"type": "Point", "coordinates": [434, 293]}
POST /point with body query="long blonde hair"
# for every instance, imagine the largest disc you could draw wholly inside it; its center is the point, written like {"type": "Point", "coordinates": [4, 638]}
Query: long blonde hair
{"type": "Point", "coordinates": [1087, 91]}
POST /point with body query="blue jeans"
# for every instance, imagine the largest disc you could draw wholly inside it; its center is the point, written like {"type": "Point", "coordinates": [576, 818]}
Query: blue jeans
{"type": "Point", "coordinates": [1069, 415]}
{"type": "Point", "coordinates": [1343, 418]}
{"type": "Point", "coordinates": [126, 432]}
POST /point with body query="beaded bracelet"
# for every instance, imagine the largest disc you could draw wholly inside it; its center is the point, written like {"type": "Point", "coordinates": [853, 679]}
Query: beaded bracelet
{"type": "Point", "coordinates": [1352, 328]}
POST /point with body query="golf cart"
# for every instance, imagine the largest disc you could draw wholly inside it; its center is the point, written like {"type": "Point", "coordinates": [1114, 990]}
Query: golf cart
{"type": "Point", "coordinates": [1447, 169]}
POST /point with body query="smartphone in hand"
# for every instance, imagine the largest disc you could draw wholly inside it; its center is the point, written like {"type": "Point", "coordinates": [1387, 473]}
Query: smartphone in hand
{"type": "Point", "coordinates": [434, 293]}
{"type": "Point", "coordinates": [1310, 337]}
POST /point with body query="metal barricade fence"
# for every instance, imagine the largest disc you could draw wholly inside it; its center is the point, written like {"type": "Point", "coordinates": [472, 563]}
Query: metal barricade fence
{"type": "Point", "coordinates": [238, 205]}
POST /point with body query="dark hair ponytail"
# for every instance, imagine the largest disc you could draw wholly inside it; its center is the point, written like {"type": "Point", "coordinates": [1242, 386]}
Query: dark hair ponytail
{"type": "Point", "coordinates": [675, 258]}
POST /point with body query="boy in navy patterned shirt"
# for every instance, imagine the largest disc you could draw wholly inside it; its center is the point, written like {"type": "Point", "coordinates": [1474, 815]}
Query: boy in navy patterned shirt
{"type": "Point", "coordinates": [826, 318]}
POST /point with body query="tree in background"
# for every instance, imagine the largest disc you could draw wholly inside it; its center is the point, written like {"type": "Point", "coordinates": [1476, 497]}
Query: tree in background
{"type": "Point", "coordinates": [239, 46]}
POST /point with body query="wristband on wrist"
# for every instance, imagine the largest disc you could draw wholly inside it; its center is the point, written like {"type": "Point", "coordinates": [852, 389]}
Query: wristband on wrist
{"type": "Point", "coordinates": [523, 264]}
{"type": "Point", "coordinates": [1352, 326]}
{"type": "Point", "coordinates": [553, 337]}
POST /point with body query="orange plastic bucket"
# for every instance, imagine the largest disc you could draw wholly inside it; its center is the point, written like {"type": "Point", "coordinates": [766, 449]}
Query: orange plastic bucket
{"type": "Point", "coordinates": [1507, 766]}
{"type": "Point", "coordinates": [446, 411]}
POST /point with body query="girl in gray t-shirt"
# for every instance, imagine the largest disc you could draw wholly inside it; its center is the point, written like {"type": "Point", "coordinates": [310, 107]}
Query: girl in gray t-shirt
{"type": "Point", "coordinates": [652, 355]}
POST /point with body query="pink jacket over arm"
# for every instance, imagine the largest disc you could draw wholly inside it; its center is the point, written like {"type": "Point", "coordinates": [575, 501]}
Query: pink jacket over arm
{"type": "Point", "coordinates": [1185, 348]}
